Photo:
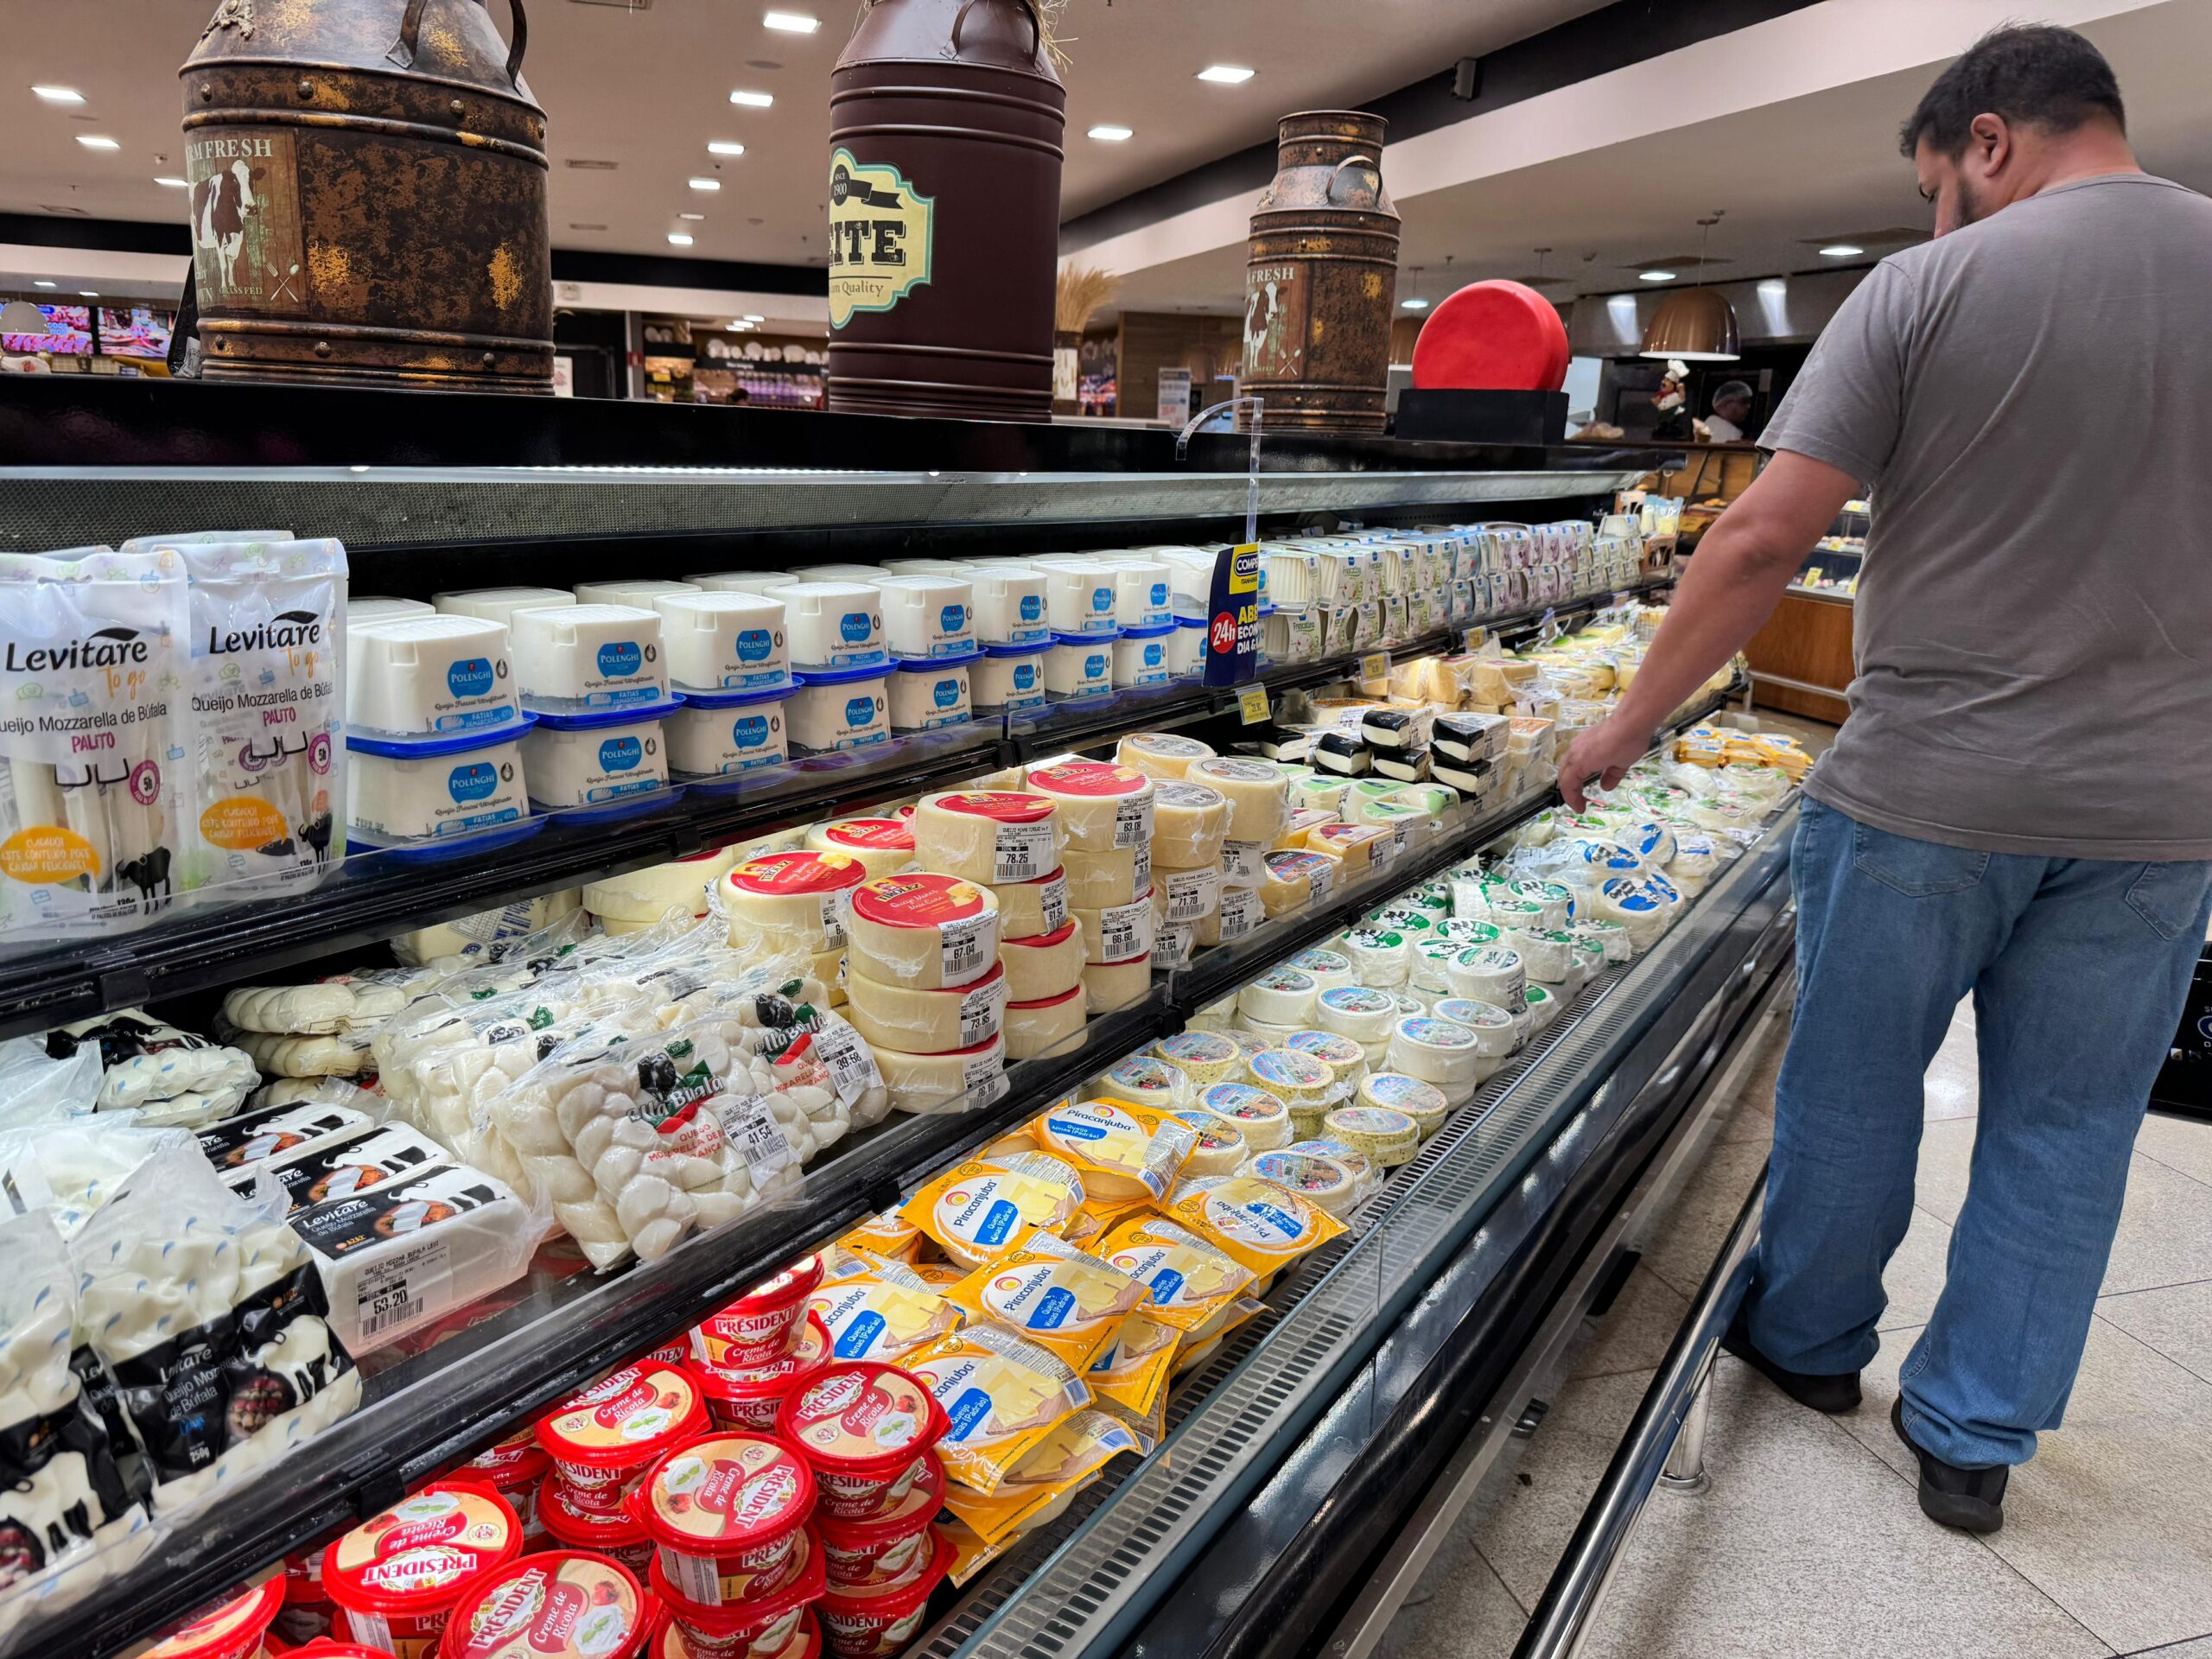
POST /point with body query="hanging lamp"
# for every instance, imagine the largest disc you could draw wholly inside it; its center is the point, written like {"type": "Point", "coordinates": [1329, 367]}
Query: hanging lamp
{"type": "Point", "coordinates": [1696, 324]}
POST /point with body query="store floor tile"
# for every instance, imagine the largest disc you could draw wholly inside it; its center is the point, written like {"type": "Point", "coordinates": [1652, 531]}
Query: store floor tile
{"type": "Point", "coordinates": [1692, 1232]}
{"type": "Point", "coordinates": [1461, 1610]}
{"type": "Point", "coordinates": [1804, 1545]}
{"type": "Point", "coordinates": [2176, 1319]}
{"type": "Point", "coordinates": [2180, 1144]}
{"type": "Point", "coordinates": [1636, 1329]}
{"type": "Point", "coordinates": [2112, 1517]}
{"type": "Point", "coordinates": [1543, 1494]}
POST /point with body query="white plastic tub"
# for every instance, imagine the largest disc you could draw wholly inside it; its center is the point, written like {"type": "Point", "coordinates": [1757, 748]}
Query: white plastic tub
{"type": "Point", "coordinates": [724, 641]}
{"type": "Point", "coordinates": [1009, 601]}
{"type": "Point", "coordinates": [1009, 679]}
{"type": "Point", "coordinates": [927, 616]}
{"type": "Point", "coordinates": [1079, 667]}
{"type": "Point", "coordinates": [1141, 656]}
{"type": "Point", "coordinates": [588, 657]}
{"type": "Point", "coordinates": [833, 626]}
{"type": "Point", "coordinates": [926, 695]}
{"type": "Point", "coordinates": [401, 791]}
{"type": "Point", "coordinates": [427, 675]}
{"type": "Point", "coordinates": [839, 709]}
{"type": "Point", "coordinates": [500, 604]}
{"type": "Point", "coordinates": [720, 734]}
{"type": "Point", "coordinates": [609, 757]}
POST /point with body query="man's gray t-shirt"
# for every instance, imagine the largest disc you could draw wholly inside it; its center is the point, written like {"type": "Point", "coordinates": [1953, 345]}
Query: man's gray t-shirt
{"type": "Point", "coordinates": [2028, 400]}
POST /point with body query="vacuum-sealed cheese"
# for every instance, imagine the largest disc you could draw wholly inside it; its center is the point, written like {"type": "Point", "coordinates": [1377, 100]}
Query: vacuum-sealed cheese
{"type": "Point", "coordinates": [882, 1315]}
{"type": "Point", "coordinates": [982, 1209]}
{"type": "Point", "coordinates": [1102, 806]}
{"type": "Point", "coordinates": [1124, 1152]}
{"type": "Point", "coordinates": [1190, 1279]}
{"type": "Point", "coordinates": [1002, 1394]}
{"type": "Point", "coordinates": [1066, 1459]}
{"type": "Point", "coordinates": [988, 836]}
{"type": "Point", "coordinates": [1264, 1226]}
{"type": "Point", "coordinates": [1064, 1301]}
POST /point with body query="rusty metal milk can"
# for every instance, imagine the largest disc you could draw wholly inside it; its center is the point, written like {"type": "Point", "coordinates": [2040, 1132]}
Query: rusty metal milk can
{"type": "Point", "coordinates": [946, 125]}
{"type": "Point", "coordinates": [368, 196]}
{"type": "Point", "coordinates": [1322, 277]}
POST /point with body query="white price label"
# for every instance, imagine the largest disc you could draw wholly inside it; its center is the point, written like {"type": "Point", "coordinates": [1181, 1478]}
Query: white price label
{"type": "Point", "coordinates": [1173, 948]}
{"type": "Point", "coordinates": [401, 1289]}
{"type": "Point", "coordinates": [1191, 893]}
{"type": "Point", "coordinates": [1132, 823]}
{"type": "Point", "coordinates": [1052, 900]}
{"type": "Point", "coordinates": [980, 1012]}
{"type": "Point", "coordinates": [1125, 931]}
{"type": "Point", "coordinates": [1324, 878]}
{"type": "Point", "coordinates": [1025, 851]}
{"type": "Point", "coordinates": [1241, 911]}
{"type": "Point", "coordinates": [852, 1064]}
{"type": "Point", "coordinates": [1144, 867]}
{"type": "Point", "coordinates": [1400, 838]}
{"type": "Point", "coordinates": [749, 1125]}
{"type": "Point", "coordinates": [982, 1079]}
{"type": "Point", "coordinates": [833, 919]}
{"type": "Point", "coordinates": [961, 955]}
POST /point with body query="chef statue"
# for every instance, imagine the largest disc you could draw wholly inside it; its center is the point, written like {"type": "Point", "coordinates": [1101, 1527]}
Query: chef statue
{"type": "Point", "coordinates": [1672, 401]}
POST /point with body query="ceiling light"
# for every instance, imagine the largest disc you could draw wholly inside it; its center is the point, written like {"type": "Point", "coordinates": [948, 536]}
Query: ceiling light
{"type": "Point", "coordinates": [1228, 75]}
{"type": "Point", "coordinates": [753, 101]}
{"type": "Point", "coordinates": [752, 316]}
{"type": "Point", "coordinates": [1655, 275]}
{"type": "Point", "coordinates": [92, 140]}
{"type": "Point", "coordinates": [59, 95]}
{"type": "Point", "coordinates": [175, 184]}
{"type": "Point", "coordinates": [1113, 135]}
{"type": "Point", "coordinates": [88, 293]}
{"type": "Point", "coordinates": [697, 219]}
{"type": "Point", "coordinates": [725, 147]}
{"type": "Point", "coordinates": [1412, 305]}
{"type": "Point", "coordinates": [42, 282]}
{"type": "Point", "coordinates": [678, 240]}
{"type": "Point", "coordinates": [1840, 251]}
{"type": "Point", "coordinates": [1774, 288]}
{"type": "Point", "coordinates": [790, 23]}
{"type": "Point", "coordinates": [740, 326]}
{"type": "Point", "coordinates": [706, 184]}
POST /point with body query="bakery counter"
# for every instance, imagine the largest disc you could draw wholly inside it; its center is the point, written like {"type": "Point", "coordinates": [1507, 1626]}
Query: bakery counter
{"type": "Point", "coordinates": [1800, 660]}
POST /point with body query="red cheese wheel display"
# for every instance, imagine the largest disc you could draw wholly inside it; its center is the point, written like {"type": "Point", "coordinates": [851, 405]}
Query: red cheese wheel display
{"type": "Point", "coordinates": [1497, 335]}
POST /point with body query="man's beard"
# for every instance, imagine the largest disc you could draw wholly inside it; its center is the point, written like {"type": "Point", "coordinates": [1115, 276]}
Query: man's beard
{"type": "Point", "coordinates": [1974, 206]}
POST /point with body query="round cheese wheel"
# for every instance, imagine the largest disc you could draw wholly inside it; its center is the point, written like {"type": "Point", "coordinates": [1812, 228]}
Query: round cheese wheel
{"type": "Point", "coordinates": [647, 895]}
{"type": "Point", "coordinates": [1281, 996]}
{"type": "Point", "coordinates": [1296, 1078]}
{"type": "Point", "coordinates": [1359, 1012]}
{"type": "Point", "coordinates": [1258, 795]}
{"type": "Point", "coordinates": [1113, 877]}
{"type": "Point", "coordinates": [1257, 1035]}
{"type": "Point", "coordinates": [1487, 973]}
{"type": "Point", "coordinates": [1050, 1025]}
{"type": "Point", "coordinates": [1262, 1117]}
{"type": "Point", "coordinates": [1388, 1136]}
{"type": "Point", "coordinates": [792, 897]}
{"type": "Point", "coordinates": [1427, 968]}
{"type": "Point", "coordinates": [1116, 984]}
{"type": "Point", "coordinates": [1543, 1007]}
{"type": "Point", "coordinates": [1555, 900]}
{"type": "Point", "coordinates": [961, 1080]}
{"type": "Point", "coordinates": [1204, 1057]}
{"type": "Point", "coordinates": [1160, 754]}
{"type": "Point", "coordinates": [1640, 911]}
{"type": "Point", "coordinates": [1463, 930]}
{"type": "Point", "coordinates": [1189, 823]}
{"type": "Point", "coordinates": [885, 846]}
{"type": "Point", "coordinates": [1102, 805]}
{"type": "Point", "coordinates": [988, 837]}
{"type": "Point", "coordinates": [1546, 953]}
{"type": "Point", "coordinates": [1435, 1051]}
{"type": "Point", "coordinates": [1610, 935]}
{"type": "Point", "coordinates": [1325, 968]}
{"type": "Point", "coordinates": [1347, 1058]}
{"type": "Point", "coordinates": [1495, 335]}
{"type": "Point", "coordinates": [916, 1021]}
{"type": "Point", "coordinates": [1323, 1181]}
{"type": "Point", "coordinates": [923, 929]}
{"type": "Point", "coordinates": [1379, 956]}
{"type": "Point", "coordinates": [1115, 932]}
{"type": "Point", "coordinates": [1222, 1147]}
{"type": "Point", "coordinates": [1238, 912]}
{"type": "Point", "coordinates": [1424, 1103]}
{"type": "Point", "coordinates": [1028, 908]}
{"type": "Point", "coordinates": [1495, 1035]}
{"type": "Point", "coordinates": [1045, 966]}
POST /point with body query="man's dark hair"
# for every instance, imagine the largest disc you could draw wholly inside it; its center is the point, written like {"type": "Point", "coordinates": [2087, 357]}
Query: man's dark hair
{"type": "Point", "coordinates": [2028, 73]}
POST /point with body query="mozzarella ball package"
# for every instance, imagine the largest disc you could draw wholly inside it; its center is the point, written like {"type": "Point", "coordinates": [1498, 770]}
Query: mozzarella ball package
{"type": "Point", "coordinates": [164, 1075]}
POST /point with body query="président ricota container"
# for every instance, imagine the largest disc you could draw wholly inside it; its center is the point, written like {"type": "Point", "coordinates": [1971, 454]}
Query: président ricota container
{"type": "Point", "coordinates": [428, 676]}
{"type": "Point", "coordinates": [833, 626]}
{"type": "Point", "coordinates": [1079, 665]}
{"type": "Point", "coordinates": [928, 616]}
{"type": "Point", "coordinates": [581, 658]}
{"type": "Point", "coordinates": [1142, 656]}
{"type": "Point", "coordinates": [759, 1324]}
{"type": "Point", "coordinates": [866, 1430]}
{"type": "Point", "coordinates": [397, 1576]}
{"type": "Point", "coordinates": [1008, 678]}
{"type": "Point", "coordinates": [602, 1439]}
{"type": "Point", "coordinates": [607, 758]}
{"type": "Point", "coordinates": [723, 641]}
{"type": "Point", "coordinates": [1009, 600]}
{"type": "Point", "coordinates": [926, 695]}
{"type": "Point", "coordinates": [836, 709]}
{"type": "Point", "coordinates": [500, 604]}
{"type": "Point", "coordinates": [722, 733]}
{"type": "Point", "coordinates": [403, 791]}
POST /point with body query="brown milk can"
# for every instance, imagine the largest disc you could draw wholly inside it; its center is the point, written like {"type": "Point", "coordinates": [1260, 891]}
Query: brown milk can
{"type": "Point", "coordinates": [1322, 277]}
{"type": "Point", "coordinates": [368, 196]}
{"type": "Point", "coordinates": [946, 125]}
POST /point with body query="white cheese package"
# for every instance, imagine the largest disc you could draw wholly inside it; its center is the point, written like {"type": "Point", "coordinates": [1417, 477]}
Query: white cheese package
{"type": "Point", "coordinates": [917, 1021]}
{"type": "Point", "coordinates": [935, 932]}
{"type": "Point", "coordinates": [606, 758]}
{"type": "Point", "coordinates": [988, 837]}
{"type": "Point", "coordinates": [926, 695]}
{"type": "Point", "coordinates": [346, 1055]}
{"type": "Point", "coordinates": [720, 734]}
{"type": "Point", "coordinates": [63, 1498]}
{"type": "Point", "coordinates": [268, 711]}
{"type": "Point", "coordinates": [1189, 824]}
{"type": "Point", "coordinates": [340, 1168]}
{"type": "Point", "coordinates": [166, 1075]}
{"type": "Point", "coordinates": [427, 676]}
{"type": "Point", "coordinates": [494, 935]}
{"type": "Point", "coordinates": [208, 1317]}
{"type": "Point", "coordinates": [344, 1002]}
{"type": "Point", "coordinates": [964, 1080]}
{"type": "Point", "coordinates": [403, 789]}
{"type": "Point", "coordinates": [398, 1252]}
{"type": "Point", "coordinates": [834, 710]}
{"type": "Point", "coordinates": [95, 811]}
{"type": "Point", "coordinates": [275, 1128]}
{"type": "Point", "coordinates": [574, 657]}
{"type": "Point", "coordinates": [1102, 806]}
{"type": "Point", "coordinates": [723, 642]}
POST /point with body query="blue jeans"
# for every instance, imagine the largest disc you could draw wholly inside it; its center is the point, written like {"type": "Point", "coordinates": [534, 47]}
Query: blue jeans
{"type": "Point", "coordinates": [2079, 969]}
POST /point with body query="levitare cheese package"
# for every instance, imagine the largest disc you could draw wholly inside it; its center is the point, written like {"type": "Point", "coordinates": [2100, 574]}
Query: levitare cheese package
{"type": "Point", "coordinates": [92, 739]}
{"type": "Point", "coordinates": [1065, 1301]}
{"type": "Point", "coordinates": [1264, 1226]}
{"type": "Point", "coordinates": [1002, 1395]}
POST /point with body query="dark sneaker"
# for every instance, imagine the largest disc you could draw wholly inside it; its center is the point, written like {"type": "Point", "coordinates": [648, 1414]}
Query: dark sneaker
{"type": "Point", "coordinates": [1973, 1500]}
{"type": "Point", "coordinates": [1831, 1392]}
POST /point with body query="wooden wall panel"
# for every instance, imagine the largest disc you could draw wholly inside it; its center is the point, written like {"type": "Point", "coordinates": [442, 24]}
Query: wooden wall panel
{"type": "Point", "coordinates": [1807, 640]}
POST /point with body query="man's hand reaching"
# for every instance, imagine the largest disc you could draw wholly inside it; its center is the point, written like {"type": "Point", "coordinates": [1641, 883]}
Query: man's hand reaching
{"type": "Point", "coordinates": [1600, 756]}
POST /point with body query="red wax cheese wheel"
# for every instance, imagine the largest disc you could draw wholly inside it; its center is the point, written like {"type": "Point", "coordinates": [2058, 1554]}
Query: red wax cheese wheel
{"type": "Point", "coordinates": [1498, 336]}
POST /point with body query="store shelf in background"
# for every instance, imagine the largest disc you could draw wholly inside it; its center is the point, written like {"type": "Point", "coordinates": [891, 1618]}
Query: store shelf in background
{"type": "Point", "coordinates": [433, 1410]}
{"type": "Point", "coordinates": [369, 897]}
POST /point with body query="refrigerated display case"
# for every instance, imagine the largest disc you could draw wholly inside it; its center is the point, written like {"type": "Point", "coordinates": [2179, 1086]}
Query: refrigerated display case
{"type": "Point", "coordinates": [1320, 1401]}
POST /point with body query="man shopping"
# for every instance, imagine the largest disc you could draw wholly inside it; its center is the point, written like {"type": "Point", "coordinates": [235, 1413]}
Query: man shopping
{"type": "Point", "coordinates": [2020, 805]}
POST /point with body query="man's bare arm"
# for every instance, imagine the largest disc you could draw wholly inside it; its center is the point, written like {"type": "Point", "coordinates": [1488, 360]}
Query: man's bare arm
{"type": "Point", "coordinates": [1741, 567]}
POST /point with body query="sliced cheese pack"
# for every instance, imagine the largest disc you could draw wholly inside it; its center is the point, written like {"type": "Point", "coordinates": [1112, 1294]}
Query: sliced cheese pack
{"type": "Point", "coordinates": [1002, 1394]}
{"type": "Point", "coordinates": [1253, 1221]}
{"type": "Point", "coordinates": [1192, 1281]}
{"type": "Point", "coordinates": [982, 1209]}
{"type": "Point", "coordinates": [1068, 1303]}
{"type": "Point", "coordinates": [1124, 1152]}
{"type": "Point", "coordinates": [1065, 1461]}
{"type": "Point", "coordinates": [1130, 1375]}
{"type": "Point", "coordinates": [882, 1315]}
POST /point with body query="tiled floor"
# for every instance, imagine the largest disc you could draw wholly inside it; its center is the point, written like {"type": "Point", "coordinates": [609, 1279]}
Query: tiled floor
{"type": "Point", "coordinates": [1808, 1541]}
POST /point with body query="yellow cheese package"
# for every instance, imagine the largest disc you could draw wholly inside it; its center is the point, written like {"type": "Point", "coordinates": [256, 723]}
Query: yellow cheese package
{"type": "Point", "coordinates": [1128, 1154]}
{"type": "Point", "coordinates": [939, 1276]}
{"type": "Point", "coordinates": [842, 1261]}
{"type": "Point", "coordinates": [1064, 1463]}
{"type": "Point", "coordinates": [889, 1237]}
{"type": "Point", "coordinates": [1099, 1217]}
{"type": "Point", "coordinates": [1131, 1373]}
{"type": "Point", "coordinates": [1264, 1226]}
{"type": "Point", "coordinates": [882, 1315]}
{"type": "Point", "coordinates": [1002, 1394]}
{"type": "Point", "coordinates": [1048, 1291]}
{"type": "Point", "coordinates": [980, 1210]}
{"type": "Point", "coordinates": [1190, 1279]}
{"type": "Point", "coordinates": [972, 1552]}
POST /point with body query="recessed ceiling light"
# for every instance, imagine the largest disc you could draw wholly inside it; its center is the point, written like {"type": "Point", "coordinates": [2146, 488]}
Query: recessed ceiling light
{"type": "Point", "coordinates": [1655, 275]}
{"type": "Point", "coordinates": [741, 325]}
{"type": "Point", "coordinates": [706, 184]}
{"type": "Point", "coordinates": [174, 184]}
{"type": "Point", "coordinates": [1228, 75]}
{"type": "Point", "coordinates": [1774, 288]}
{"type": "Point", "coordinates": [697, 219]}
{"type": "Point", "coordinates": [59, 95]}
{"type": "Point", "coordinates": [790, 23]}
{"type": "Point", "coordinates": [725, 147]}
{"type": "Point", "coordinates": [1840, 251]}
{"type": "Point", "coordinates": [1412, 305]}
{"type": "Point", "coordinates": [88, 293]}
{"type": "Point", "coordinates": [1113, 135]}
{"type": "Point", "coordinates": [678, 240]}
{"type": "Point", "coordinates": [752, 316]}
{"type": "Point", "coordinates": [93, 141]}
{"type": "Point", "coordinates": [753, 101]}
{"type": "Point", "coordinates": [42, 282]}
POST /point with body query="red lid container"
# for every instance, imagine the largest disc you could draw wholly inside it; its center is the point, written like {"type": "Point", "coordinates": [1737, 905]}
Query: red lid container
{"type": "Point", "coordinates": [618, 1536]}
{"type": "Point", "coordinates": [745, 1629]}
{"type": "Point", "coordinates": [757, 1328]}
{"type": "Point", "coordinates": [323, 1648]}
{"type": "Point", "coordinates": [397, 1576]}
{"type": "Point", "coordinates": [236, 1630]}
{"type": "Point", "coordinates": [560, 1605]}
{"type": "Point", "coordinates": [727, 1514]}
{"type": "Point", "coordinates": [603, 1438]}
{"type": "Point", "coordinates": [876, 1624]}
{"type": "Point", "coordinates": [864, 1428]}
{"type": "Point", "coordinates": [748, 1398]}
{"type": "Point", "coordinates": [889, 1551]}
{"type": "Point", "coordinates": [804, 1641]}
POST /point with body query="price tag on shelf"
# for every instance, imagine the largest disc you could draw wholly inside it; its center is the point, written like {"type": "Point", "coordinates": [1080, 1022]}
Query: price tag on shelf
{"type": "Point", "coordinates": [1473, 639]}
{"type": "Point", "coordinates": [1375, 665]}
{"type": "Point", "coordinates": [1252, 705]}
